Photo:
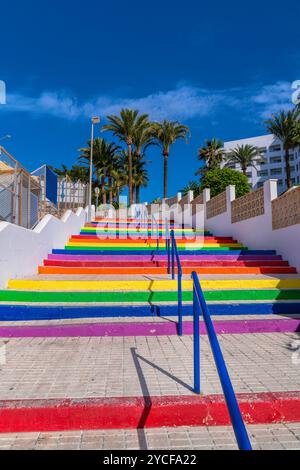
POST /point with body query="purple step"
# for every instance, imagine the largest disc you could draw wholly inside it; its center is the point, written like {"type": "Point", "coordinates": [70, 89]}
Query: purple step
{"type": "Point", "coordinates": [149, 328]}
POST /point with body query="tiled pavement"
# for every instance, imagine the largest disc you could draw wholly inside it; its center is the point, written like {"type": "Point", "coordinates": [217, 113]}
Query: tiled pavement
{"type": "Point", "coordinates": [263, 437]}
{"type": "Point", "coordinates": [132, 366]}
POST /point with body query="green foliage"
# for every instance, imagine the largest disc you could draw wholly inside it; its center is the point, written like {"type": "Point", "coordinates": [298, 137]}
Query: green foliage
{"type": "Point", "coordinates": [286, 127]}
{"type": "Point", "coordinates": [191, 186]}
{"type": "Point", "coordinates": [75, 173]}
{"type": "Point", "coordinates": [244, 155]}
{"type": "Point", "coordinates": [211, 154]}
{"type": "Point", "coordinates": [156, 201]}
{"type": "Point", "coordinates": [165, 134]}
{"type": "Point", "coordinates": [217, 180]}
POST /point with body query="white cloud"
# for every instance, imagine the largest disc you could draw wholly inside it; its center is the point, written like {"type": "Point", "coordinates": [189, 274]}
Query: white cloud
{"type": "Point", "coordinates": [273, 98]}
{"type": "Point", "coordinates": [184, 102]}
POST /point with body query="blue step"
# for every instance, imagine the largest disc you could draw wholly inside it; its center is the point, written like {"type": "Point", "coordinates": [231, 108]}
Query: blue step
{"type": "Point", "coordinates": [31, 312]}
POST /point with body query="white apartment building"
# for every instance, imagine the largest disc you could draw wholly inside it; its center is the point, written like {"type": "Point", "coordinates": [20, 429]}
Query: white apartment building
{"type": "Point", "coordinates": [273, 164]}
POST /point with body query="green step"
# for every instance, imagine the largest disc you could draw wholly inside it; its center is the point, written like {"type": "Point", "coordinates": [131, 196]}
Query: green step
{"type": "Point", "coordinates": [147, 248]}
{"type": "Point", "coordinates": [145, 296]}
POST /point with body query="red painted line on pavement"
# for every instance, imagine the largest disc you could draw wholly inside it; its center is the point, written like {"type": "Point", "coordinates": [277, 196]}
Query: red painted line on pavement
{"type": "Point", "coordinates": [129, 412]}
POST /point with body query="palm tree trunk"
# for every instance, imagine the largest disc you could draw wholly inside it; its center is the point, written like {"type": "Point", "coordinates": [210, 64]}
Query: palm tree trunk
{"type": "Point", "coordinates": [118, 194]}
{"type": "Point", "coordinates": [110, 191]}
{"type": "Point", "coordinates": [137, 194]}
{"type": "Point", "coordinates": [130, 174]}
{"type": "Point", "coordinates": [103, 189]}
{"type": "Point", "coordinates": [165, 175]}
{"type": "Point", "coordinates": [288, 168]}
{"type": "Point", "coordinates": [134, 193]}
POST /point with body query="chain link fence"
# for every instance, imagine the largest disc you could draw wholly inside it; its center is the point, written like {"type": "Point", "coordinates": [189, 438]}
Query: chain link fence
{"type": "Point", "coordinates": [19, 192]}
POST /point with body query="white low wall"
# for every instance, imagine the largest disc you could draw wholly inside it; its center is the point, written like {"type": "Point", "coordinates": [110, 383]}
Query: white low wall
{"type": "Point", "coordinates": [257, 232]}
{"type": "Point", "coordinates": [22, 250]}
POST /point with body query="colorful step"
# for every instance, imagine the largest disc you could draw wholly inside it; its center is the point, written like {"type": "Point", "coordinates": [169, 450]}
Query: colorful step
{"type": "Point", "coordinates": [72, 295]}
{"type": "Point", "coordinates": [73, 309]}
{"type": "Point", "coordinates": [120, 329]}
{"type": "Point", "coordinates": [129, 270]}
{"type": "Point", "coordinates": [151, 285]}
{"type": "Point", "coordinates": [126, 412]}
{"type": "Point", "coordinates": [135, 262]}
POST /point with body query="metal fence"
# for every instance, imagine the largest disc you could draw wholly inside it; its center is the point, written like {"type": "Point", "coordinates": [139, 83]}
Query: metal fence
{"type": "Point", "coordinates": [19, 192]}
{"type": "Point", "coordinates": [70, 194]}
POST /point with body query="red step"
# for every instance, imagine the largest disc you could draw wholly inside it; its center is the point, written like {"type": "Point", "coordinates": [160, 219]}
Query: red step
{"type": "Point", "coordinates": [266, 263]}
{"type": "Point", "coordinates": [67, 414]}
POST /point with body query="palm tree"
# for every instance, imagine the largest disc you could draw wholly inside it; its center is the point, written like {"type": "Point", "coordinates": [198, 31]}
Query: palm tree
{"type": "Point", "coordinates": [140, 176]}
{"type": "Point", "coordinates": [104, 159]}
{"type": "Point", "coordinates": [212, 154]}
{"type": "Point", "coordinates": [75, 173]}
{"type": "Point", "coordinates": [125, 127]}
{"type": "Point", "coordinates": [285, 126]}
{"type": "Point", "coordinates": [120, 180]}
{"type": "Point", "coordinates": [166, 133]}
{"type": "Point", "coordinates": [245, 156]}
{"type": "Point", "coordinates": [143, 138]}
{"type": "Point", "coordinates": [192, 186]}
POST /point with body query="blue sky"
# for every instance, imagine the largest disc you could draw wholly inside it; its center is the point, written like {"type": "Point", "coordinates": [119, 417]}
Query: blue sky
{"type": "Point", "coordinates": [219, 67]}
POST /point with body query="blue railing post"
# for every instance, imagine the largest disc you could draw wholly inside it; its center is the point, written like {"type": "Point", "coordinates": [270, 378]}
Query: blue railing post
{"type": "Point", "coordinates": [169, 256]}
{"type": "Point", "coordinates": [157, 232]}
{"type": "Point", "coordinates": [179, 301]}
{"type": "Point", "coordinates": [168, 245]}
{"type": "Point", "coordinates": [230, 398]}
{"type": "Point", "coordinates": [173, 254]}
{"type": "Point", "coordinates": [196, 332]}
{"type": "Point", "coordinates": [179, 276]}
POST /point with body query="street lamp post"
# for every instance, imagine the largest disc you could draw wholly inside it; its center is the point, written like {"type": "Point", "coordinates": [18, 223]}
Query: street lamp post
{"type": "Point", "coordinates": [95, 120]}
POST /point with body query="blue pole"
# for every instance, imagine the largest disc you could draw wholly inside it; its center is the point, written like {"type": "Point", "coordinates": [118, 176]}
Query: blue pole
{"type": "Point", "coordinates": [179, 302]}
{"type": "Point", "coordinates": [169, 256]}
{"type": "Point", "coordinates": [196, 343]}
{"type": "Point", "coordinates": [231, 401]}
{"type": "Point", "coordinates": [173, 255]}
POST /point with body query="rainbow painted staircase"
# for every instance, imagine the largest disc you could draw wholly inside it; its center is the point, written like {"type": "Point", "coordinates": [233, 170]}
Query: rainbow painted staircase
{"type": "Point", "coordinates": [94, 276]}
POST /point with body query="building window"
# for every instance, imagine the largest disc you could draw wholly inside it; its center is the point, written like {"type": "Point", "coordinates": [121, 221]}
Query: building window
{"type": "Point", "coordinates": [275, 171]}
{"type": "Point", "coordinates": [275, 148]}
{"type": "Point", "coordinates": [275, 160]}
{"type": "Point", "coordinates": [262, 173]}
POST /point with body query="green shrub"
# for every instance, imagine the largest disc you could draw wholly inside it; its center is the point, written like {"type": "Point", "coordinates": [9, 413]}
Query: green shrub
{"type": "Point", "coordinates": [217, 180]}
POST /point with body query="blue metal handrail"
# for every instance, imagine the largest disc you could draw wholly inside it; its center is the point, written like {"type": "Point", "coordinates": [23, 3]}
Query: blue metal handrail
{"type": "Point", "coordinates": [231, 401]}
{"type": "Point", "coordinates": [167, 235]}
{"type": "Point", "coordinates": [154, 222]}
{"type": "Point", "coordinates": [143, 219]}
{"type": "Point", "coordinates": [175, 255]}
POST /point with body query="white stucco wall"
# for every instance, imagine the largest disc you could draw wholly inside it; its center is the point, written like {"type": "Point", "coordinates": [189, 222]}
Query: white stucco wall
{"type": "Point", "coordinates": [22, 250]}
{"type": "Point", "coordinates": [257, 232]}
